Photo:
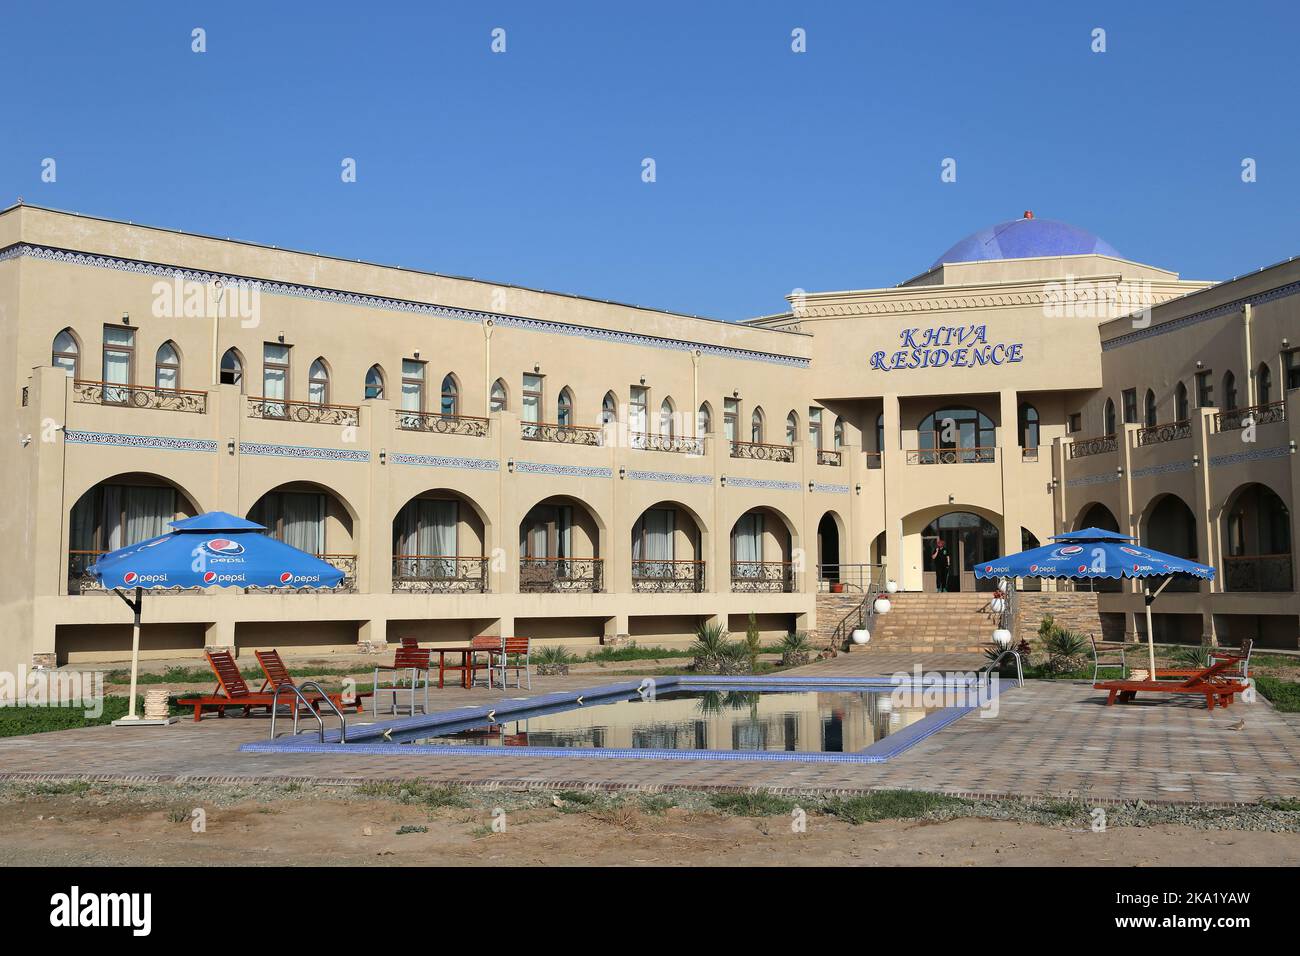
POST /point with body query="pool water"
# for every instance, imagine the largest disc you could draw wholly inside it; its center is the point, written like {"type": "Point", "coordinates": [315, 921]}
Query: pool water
{"type": "Point", "coordinates": [819, 721]}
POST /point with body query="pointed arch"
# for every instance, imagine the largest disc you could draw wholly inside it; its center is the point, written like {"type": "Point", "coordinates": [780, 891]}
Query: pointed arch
{"type": "Point", "coordinates": [667, 418]}
{"type": "Point", "coordinates": [318, 382]}
{"type": "Point", "coordinates": [499, 398]}
{"type": "Point", "coordinates": [756, 425]}
{"type": "Point", "coordinates": [65, 353]}
{"type": "Point", "coordinates": [704, 420]}
{"type": "Point", "coordinates": [167, 366]}
{"type": "Point", "coordinates": [376, 382]}
{"type": "Point", "coordinates": [564, 407]}
{"type": "Point", "coordinates": [232, 368]}
{"type": "Point", "coordinates": [449, 396]}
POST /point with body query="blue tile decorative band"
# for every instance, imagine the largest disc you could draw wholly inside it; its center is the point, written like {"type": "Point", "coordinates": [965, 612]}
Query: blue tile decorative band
{"type": "Point", "coordinates": [567, 471]}
{"type": "Point", "coordinates": [154, 442]}
{"type": "Point", "coordinates": [447, 461]}
{"type": "Point", "coordinates": [303, 451]}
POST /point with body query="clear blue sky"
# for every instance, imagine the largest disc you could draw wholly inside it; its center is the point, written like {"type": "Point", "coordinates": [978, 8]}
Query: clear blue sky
{"type": "Point", "coordinates": [775, 170]}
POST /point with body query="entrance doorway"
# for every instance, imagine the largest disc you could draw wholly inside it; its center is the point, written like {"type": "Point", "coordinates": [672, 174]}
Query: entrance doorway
{"type": "Point", "coordinates": [967, 540]}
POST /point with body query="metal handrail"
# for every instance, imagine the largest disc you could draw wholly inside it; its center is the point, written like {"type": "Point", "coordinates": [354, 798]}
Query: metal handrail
{"type": "Point", "coordinates": [298, 693]}
{"type": "Point", "coordinates": [987, 669]}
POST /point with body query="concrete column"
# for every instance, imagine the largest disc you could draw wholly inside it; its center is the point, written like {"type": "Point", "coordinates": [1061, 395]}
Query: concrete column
{"type": "Point", "coordinates": [503, 574]}
{"type": "Point", "coordinates": [616, 629]}
{"type": "Point", "coordinates": [893, 463]}
{"type": "Point", "coordinates": [372, 635]}
{"type": "Point", "coordinates": [1008, 452]}
{"type": "Point", "coordinates": [220, 636]}
{"type": "Point", "coordinates": [374, 549]}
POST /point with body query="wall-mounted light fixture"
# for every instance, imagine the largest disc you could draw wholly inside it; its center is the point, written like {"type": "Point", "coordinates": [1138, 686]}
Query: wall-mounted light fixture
{"type": "Point", "coordinates": [622, 473]}
{"type": "Point", "coordinates": [126, 318]}
{"type": "Point", "coordinates": [280, 338]}
{"type": "Point", "coordinates": [857, 489]}
{"type": "Point", "coordinates": [230, 446]}
{"type": "Point", "coordinates": [1291, 444]}
{"type": "Point", "coordinates": [735, 393]}
{"type": "Point", "coordinates": [1200, 364]}
{"type": "Point", "coordinates": [1196, 461]}
{"type": "Point", "coordinates": [812, 486]}
{"type": "Point", "coordinates": [723, 481]}
{"type": "Point", "coordinates": [1119, 471]}
{"type": "Point", "coordinates": [537, 369]}
{"type": "Point", "coordinates": [1286, 343]}
{"type": "Point", "coordinates": [510, 465]}
{"type": "Point", "coordinates": [642, 379]}
{"type": "Point", "coordinates": [416, 353]}
{"type": "Point", "coordinates": [383, 456]}
{"type": "Point", "coordinates": [952, 500]}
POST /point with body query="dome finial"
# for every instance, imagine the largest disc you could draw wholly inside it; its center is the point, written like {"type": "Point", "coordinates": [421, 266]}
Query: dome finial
{"type": "Point", "coordinates": [1029, 214]}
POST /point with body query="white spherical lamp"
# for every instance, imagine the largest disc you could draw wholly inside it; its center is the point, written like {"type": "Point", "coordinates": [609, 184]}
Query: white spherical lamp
{"type": "Point", "coordinates": [860, 636]}
{"type": "Point", "coordinates": [891, 586]}
{"type": "Point", "coordinates": [882, 605]}
{"type": "Point", "coordinates": [1002, 638]}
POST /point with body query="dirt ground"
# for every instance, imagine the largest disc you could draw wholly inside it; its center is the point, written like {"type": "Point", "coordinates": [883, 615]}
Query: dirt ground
{"type": "Point", "coordinates": [95, 829]}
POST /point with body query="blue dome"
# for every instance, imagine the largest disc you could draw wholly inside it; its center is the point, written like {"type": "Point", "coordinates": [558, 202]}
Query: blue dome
{"type": "Point", "coordinates": [1024, 239]}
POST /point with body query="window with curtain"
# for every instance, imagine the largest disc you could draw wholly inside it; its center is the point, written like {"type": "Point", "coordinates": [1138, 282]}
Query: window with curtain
{"type": "Point", "coordinates": [1151, 412]}
{"type": "Point", "coordinates": [318, 383]}
{"type": "Point", "coordinates": [425, 535]}
{"type": "Point", "coordinates": [114, 516]}
{"type": "Point", "coordinates": [65, 352]}
{"type": "Point", "coordinates": [119, 355]}
{"type": "Point", "coordinates": [412, 385]}
{"type": "Point", "coordinates": [1181, 410]}
{"type": "Point", "coordinates": [374, 382]}
{"type": "Point", "coordinates": [703, 421]}
{"type": "Point", "coordinates": [747, 539]}
{"type": "Point", "coordinates": [609, 409]}
{"type": "Point", "coordinates": [232, 369]}
{"type": "Point", "coordinates": [791, 428]}
{"type": "Point", "coordinates": [532, 398]}
{"type": "Point", "coordinates": [1229, 391]}
{"type": "Point", "coordinates": [963, 428]}
{"type": "Point", "coordinates": [1264, 384]}
{"type": "Point", "coordinates": [637, 412]}
{"type": "Point", "coordinates": [731, 419]}
{"type": "Point", "coordinates": [652, 536]}
{"type": "Point", "coordinates": [756, 426]}
{"type": "Point", "coordinates": [167, 367]}
{"type": "Point", "coordinates": [497, 398]}
{"type": "Point", "coordinates": [1108, 417]}
{"type": "Point", "coordinates": [450, 405]}
{"type": "Point", "coordinates": [666, 418]}
{"type": "Point", "coordinates": [1028, 426]}
{"type": "Point", "coordinates": [564, 408]}
{"type": "Point", "coordinates": [275, 377]}
{"type": "Point", "coordinates": [295, 517]}
{"type": "Point", "coordinates": [815, 428]}
{"type": "Point", "coordinates": [839, 433]}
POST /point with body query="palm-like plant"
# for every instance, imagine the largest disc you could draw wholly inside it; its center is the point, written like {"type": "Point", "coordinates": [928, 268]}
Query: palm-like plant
{"type": "Point", "coordinates": [796, 649]}
{"type": "Point", "coordinates": [711, 645]}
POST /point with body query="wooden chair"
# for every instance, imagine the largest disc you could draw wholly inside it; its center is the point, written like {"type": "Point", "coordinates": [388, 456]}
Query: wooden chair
{"type": "Point", "coordinates": [516, 656]}
{"type": "Point", "coordinates": [231, 691]}
{"type": "Point", "coordinates": [1209, 682]}
{"type": "Point", "coordinates": [278, 675]}
{"type": "Point", "coordinates": [1107, 654]}
{"type": "Point", "coordinates": [412, 659]}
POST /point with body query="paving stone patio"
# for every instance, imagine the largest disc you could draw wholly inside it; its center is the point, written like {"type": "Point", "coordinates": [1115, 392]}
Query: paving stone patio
{"type": "Point", "coordinates": [1049, 738]}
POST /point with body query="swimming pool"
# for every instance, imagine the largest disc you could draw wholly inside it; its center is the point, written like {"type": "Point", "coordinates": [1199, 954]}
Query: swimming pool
{"type": "Point", "coordinates": [841, 720]}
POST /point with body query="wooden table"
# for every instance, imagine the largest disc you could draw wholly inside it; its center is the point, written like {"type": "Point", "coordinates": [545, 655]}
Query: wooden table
{"type": "Point", "coordinates": [465, 651]}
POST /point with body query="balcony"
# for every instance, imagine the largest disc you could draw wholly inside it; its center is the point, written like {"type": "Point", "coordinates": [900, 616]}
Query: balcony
{"type": "Point", "coordinates": [762, 576]}
{"type": "Point", "coordinates": [441, 424]}
{"type": "Point", "coordinates": [347, 563]}
{"type": "Point", "coordinates": [559, 575]}
{"type": "Point", "coordinates": [284, 409]}
{"type": "Point", "coordinates": [681, 444]}
{"type": "Point", "coordinates": [1101, 445]}
{"type": "Point", "coordinates": [1237, 418]}
{"type": "Point", "coordinates": [757, 451]}
{"type": "Point", "coordinates": [874, 459]}
{"type": "Point", "coordinates": [439, 574]}
{"type": "Point", "coordinates": [1257, 572]}
{"type": "Point", "coordinates": [833, 458]}
{"type": "Point", "coordinates": [668, 576]}
{"type": "Point", "coordinates": [975, 455]}
{"type": "Point", "coordinates": [562, 434]}
{"type": "Point", "coordinates": [140, 396]}
{"type": "Point", "coordinates": [1159, 434]}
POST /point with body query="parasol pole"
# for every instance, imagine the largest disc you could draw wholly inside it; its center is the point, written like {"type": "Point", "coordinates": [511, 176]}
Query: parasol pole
{"type": "Point", "coordinates": [1148, 600]}
{"type": "Point", "coordinates": [135, 606]}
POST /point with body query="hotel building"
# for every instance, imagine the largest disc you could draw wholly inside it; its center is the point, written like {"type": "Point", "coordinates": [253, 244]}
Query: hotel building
{"type": "Point", "coordinates": [481, 458]}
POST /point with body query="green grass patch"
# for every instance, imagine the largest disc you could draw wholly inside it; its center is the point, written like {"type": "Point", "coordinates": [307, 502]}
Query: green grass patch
{"type": "Point", "coordinates": [760, 804]}
{"type": "Point", "coordinates": [1285, 695]}
{"type": "Point", "coordinates": [20, 721]}
{"type": "Point", "coordinates": [411, 828]}
{"type": "Point", "coordinates": [888, 805]}
{"type": "Point", "coordinates": [422, 794]}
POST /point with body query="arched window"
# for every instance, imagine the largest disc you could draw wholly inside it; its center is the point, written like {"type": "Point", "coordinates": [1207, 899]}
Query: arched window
{"type": "Point", "coordinates": [498, 401]}
{"type": "Point", "coordinates": [666, 418]}
{"type": "Point", "coordinates": [839, 434]}
{"type": "Point", "coordinates": [450, 403]}
{"type": "Point", "coordinates": [65, 353]}
{"type": "Point", "coordinates": [564, 408]}
{"type": "Point", "coordinates": [1181, 409]}
{"type": "Point", "coordinates": [232, 369]}
{"type": "Point", "coordinates": [1108, 425]}
{"type": "Point", "coordinates": [880, 433]}
{"type": "Point", "coordinates": [1028, 426]}
{"type": "Point", "coordinates": [958, 427]}
{"type": "Point", "coordinates": [791, 428]}
{"type": "Point", "coordinates": [1151, 409]}
{"type": "Point", "coordinates": [703, 421]}
{"type": "Point", "coordinates": [756, 426]}
{"type": "Point", "coordinates": [167, 367]}
{"type": "Point", "coordinates": [1229, 391]}
{"type": "Point", "coordinates": [1264, 384]}
{"type": "Point", "coordinates": [375, 382]}
{"type": "Point", "coordinates": [318, 383]}
{"type": "Point", "coordinates": [609, 409]}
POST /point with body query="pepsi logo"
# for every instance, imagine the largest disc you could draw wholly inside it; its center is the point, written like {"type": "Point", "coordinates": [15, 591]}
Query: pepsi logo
{"type": "Point", "coordinates": [286, 577]}
{"type": "Point", "coordinates": [1071, 549]}
{"type": "Point", "coordinates": [130, 577]}
{"type": "Point", "coordinates": [223, 546]}
{"type": "Point", "coordinates": [1033, 567]}
{"type": "Point", "coordinates": [988, 568]}
{"type": "Point", "coordinates": [1083, 568]}
{"type": "Point", "coordinates": [1132, 551]}
{"type": "Point", "coordinates": [209, 577]}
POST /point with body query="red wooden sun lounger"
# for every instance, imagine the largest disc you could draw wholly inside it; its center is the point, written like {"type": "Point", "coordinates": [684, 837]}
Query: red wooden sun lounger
{"type": "Point", "coordinates": [1209, 682]}
{"type": "Point", "coordinates": [277, 675]}
{"type": "Point", "coordinates": [235, 693]}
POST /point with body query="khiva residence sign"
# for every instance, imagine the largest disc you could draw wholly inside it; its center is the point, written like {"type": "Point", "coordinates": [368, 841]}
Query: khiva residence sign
{"type": "Point", "coordinates": [947, 346]}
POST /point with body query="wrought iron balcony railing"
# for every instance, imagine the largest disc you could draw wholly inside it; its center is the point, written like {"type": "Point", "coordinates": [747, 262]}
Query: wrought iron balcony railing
{"type": "Point", "coordinates": [757, 451]}
{"type": "Point", "coordinates": [440, 574]}
{"type": "Point", "coordinates": [682, 444]}
{"type": "Point", "coordinates": [545, 575]}
{"type": "Point", "coordinates": [829, 457]}
{"type": "Point", "coordinates": [288, 410]}
{"type": "Point", "coordinates": [1253, 415]}
{"type": "Point", "coordinates": [750, 576]}
{"type": "Point", "coordinates": [1257, 572]}
{"type": "Point", "coordinates": [563, 434]}
{"type": "Point", "coordinates": [441, 424]}
{"type": "Point", "coordinates": [976, 454]}
{"type": "Point", "coordinates": [140, 396]}
{"type": "Point", "coordinates": [668, 576]}
{"type": "Point", "coordinates": [1101, 445]}
{"type": "Point", "coordinates": [1159, 434]}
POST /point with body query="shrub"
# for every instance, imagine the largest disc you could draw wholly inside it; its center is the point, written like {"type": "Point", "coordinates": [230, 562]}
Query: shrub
{"type": "Point", "coordinates": [796, 649]}
{"type": "Point", "coordinates": [710, 647]}
{"type": "Point", "coordinates": [552, 660]}
{"type": "Point", "coordinates": [1066, 649]}
{"type": "Point", "coordinates": [753, 642]}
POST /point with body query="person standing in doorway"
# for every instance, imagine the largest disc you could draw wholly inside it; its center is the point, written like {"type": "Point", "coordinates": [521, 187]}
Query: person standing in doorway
{"type": "Point", "coordinates": [940, 561]}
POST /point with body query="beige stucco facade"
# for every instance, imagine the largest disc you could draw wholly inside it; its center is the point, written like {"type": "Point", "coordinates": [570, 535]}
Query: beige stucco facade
{"type": "Point", "coordinates": [545, 513]}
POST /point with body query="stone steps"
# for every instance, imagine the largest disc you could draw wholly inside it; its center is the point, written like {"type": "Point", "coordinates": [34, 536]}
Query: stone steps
{"type": "Point", "coordinates": [932, 623]}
